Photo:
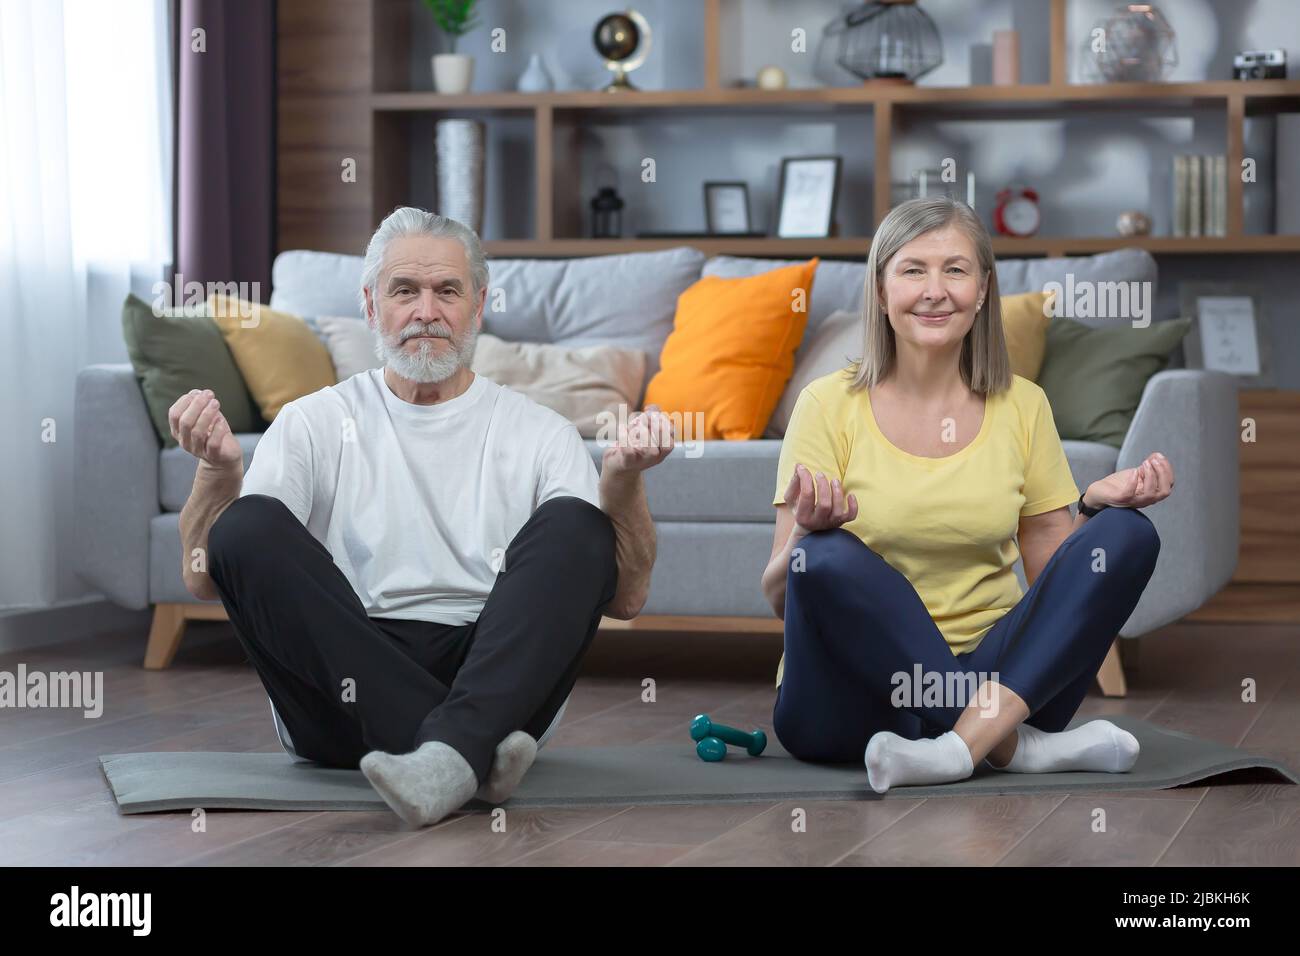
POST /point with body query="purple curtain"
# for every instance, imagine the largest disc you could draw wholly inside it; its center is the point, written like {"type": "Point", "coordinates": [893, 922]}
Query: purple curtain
{"type": "Point", "coordinates": [225, 159]}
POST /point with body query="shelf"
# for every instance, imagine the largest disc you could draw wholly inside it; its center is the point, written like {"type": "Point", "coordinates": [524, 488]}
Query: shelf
{"type": "Point", "coordinates": [857, 246]}
{"type": "Point", "coordinates": [367, 114]}
{"type": "Point", "coordinates": [1046, 96]}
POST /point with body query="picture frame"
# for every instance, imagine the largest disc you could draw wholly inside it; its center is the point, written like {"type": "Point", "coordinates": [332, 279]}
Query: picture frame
{"type": "Point", "coordinates": [808, 192]}
{"type": "Point", "coordinates": [1221, 338]}
{"type": "Point", "coordinates": [726, 208]}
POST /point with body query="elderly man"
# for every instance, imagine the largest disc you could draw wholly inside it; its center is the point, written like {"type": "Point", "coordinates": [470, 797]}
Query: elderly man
{"type": "Point", "coordinates": [418, 558]}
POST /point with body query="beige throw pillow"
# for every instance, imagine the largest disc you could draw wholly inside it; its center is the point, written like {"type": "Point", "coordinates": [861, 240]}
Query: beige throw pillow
{"type": "Point", "coordinates": [351, 344]}
{"type": "Point", "coordinates": [837, 343]}
{"type": "Point", "coordinates": [579, 383]}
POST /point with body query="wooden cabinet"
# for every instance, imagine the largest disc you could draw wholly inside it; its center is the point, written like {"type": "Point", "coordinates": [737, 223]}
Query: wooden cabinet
{"type": "Point", "coordinates": [1266, 585]}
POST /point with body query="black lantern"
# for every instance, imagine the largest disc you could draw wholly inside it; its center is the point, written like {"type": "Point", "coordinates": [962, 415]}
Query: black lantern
{"type": "Point", "coordinates": [607, 214]}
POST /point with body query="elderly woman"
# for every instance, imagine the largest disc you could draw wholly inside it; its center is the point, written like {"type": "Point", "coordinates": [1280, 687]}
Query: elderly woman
{"type": "Point", "coordinates": [908, 484]}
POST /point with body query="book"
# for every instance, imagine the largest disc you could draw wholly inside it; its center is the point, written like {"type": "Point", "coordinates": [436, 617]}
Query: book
{"type": "Point", "coordinates": [1180, 196]}
{"type": "Point", "coordinates": [1208, 197]}
{"type": "Point", "coordinates": [1221, 195]}
{"type": "Point", "coordinates": [1287, 189]}
{"type": "Point", "coordinates": [1194, 175]}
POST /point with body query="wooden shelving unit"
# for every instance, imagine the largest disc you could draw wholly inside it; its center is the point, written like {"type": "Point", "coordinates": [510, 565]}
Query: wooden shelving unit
{"type": "Point", "coordinates": [372, 94]}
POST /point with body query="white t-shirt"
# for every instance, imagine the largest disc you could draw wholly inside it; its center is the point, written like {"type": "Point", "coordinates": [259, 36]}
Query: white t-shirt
{"type": "Point", "coordinates": [418, 503]}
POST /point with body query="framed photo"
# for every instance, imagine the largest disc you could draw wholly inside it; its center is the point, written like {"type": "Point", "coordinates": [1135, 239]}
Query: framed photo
{"type": "Point", "coordinates": [1230, 331]}
{"type": "Point", "coordinates": [726, 207]}
{"type": "Point", "coordinates": [805, 206]}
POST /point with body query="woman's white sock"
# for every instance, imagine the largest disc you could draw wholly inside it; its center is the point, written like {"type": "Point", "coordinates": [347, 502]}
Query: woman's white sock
{"type": "Point", "coordinates": [1098, 746]}
{"type": "Point", "coordinates": [894, 761]}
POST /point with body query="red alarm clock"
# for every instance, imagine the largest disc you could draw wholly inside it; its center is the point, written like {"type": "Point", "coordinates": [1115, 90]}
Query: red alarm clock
{"type": "Point", "coordinates": [1017, 213]}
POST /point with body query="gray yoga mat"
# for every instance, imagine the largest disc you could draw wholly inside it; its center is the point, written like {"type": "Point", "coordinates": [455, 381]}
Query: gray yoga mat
{"type": "Point", "coordinates": [652, 774]}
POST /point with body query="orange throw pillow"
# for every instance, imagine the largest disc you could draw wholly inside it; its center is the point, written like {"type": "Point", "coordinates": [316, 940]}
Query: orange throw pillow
{"type": "Point", "coordinates": [731, 351]}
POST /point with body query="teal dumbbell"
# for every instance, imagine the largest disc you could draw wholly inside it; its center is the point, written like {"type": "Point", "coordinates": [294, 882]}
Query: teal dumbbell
{"type": "Point", "coordinates": [711, 749]}
{"type": "Point", "coordinates": [754, 742]}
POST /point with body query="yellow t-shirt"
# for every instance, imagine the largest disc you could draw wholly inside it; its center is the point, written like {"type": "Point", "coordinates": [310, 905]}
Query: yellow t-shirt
{"type": "Point", "coordinates": [947, 524]}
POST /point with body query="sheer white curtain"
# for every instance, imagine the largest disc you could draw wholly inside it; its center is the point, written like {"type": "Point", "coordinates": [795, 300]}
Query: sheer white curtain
{"type": "Point", "coordinates": [85, 217]}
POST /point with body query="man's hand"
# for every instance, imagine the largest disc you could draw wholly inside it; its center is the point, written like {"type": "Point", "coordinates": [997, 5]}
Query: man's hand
{"type": "Point", "coordinates": [645, 441]}
{"type": "Point", "coordinates": [200, 428]}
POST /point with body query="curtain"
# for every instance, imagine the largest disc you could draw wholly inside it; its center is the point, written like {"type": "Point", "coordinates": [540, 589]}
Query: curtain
{"type": "Point", "coordinates": [224, 143]}
{"type": "Point", "coordinates": [85, 217]}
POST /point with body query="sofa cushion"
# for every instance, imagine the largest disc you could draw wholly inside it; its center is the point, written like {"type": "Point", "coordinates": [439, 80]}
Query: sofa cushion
{"type": "Point", "coordinates": [698, 481]}
{"type": "Point", "coordinates": [708, 481]}
{"type": "Point", "coordinates": [836, 285]}
{"type": "Point", "coordinates": [350, 343]}
{"type": "Point", "coordinates": [586, 385]}
{"type": "Point", "coordinates": [626, 300]}
{"type": "Point", "coordinates": [175, 352]}
{"type": "Point", "coordinates": [711, 481]}
{"type": "Point", "coordinates": [306, 282]}
{"type": "Point", "coordinates": [1120, 265]}
{"type": "Point", "coordinates": [1095, 377]}
{"type": "Point", "coordinates": [840, 285]}
{"type": "Point", "coordinates": [732, 350]}
{"type": "Point", "coordinates": [278, 355]}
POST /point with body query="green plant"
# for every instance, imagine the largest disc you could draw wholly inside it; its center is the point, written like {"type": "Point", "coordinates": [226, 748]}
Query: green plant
{"type": "Point", "coordinates": [454, 17]}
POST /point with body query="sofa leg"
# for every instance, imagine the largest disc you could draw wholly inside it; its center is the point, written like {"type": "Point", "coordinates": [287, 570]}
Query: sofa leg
{"type": "Point", "coordinates": [1111, 675]}
{"type": "Point", "coordinates": [164, 635]}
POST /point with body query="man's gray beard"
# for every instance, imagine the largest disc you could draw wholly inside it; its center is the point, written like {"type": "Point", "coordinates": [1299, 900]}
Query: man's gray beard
{"type": "Point", "coordinates": [426, 365]}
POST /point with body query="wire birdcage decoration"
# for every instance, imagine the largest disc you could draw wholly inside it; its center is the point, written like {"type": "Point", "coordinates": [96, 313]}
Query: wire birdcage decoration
{"type": "Point", "coordinates": [886, 40]}
{"type": "Point", "coordinates": [1136, 45]}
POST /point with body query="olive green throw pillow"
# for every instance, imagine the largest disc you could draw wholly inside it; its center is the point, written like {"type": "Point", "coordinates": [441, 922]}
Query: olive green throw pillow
{"type": "Point", "coordinates": [1094, 377]}
{"type": "Point", "coordinates": [173, 353]}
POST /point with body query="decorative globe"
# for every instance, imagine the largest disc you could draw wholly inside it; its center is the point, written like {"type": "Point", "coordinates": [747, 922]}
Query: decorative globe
{"type": "Point", "coordinates": [616, 37]}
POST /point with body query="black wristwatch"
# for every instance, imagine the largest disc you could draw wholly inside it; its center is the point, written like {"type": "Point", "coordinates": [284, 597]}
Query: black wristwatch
{"type": "Point", "coordinates": [1089, 512]}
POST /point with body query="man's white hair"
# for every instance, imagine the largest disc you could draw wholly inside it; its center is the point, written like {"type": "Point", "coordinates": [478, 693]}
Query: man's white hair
{"type": "Point", "coordinates": [410, 221]}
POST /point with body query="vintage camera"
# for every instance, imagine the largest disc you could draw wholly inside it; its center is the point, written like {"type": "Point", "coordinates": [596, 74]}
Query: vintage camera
{"type": "Point", "coordinates": [1259, 65]}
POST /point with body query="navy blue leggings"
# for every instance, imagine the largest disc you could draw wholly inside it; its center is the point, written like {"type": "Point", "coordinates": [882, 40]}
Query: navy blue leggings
{"type": "Point", "coordinates": [852, 621]}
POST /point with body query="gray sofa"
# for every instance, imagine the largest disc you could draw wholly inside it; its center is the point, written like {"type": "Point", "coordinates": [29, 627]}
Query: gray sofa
{"type": "Point", "coordinates": [712, 507]}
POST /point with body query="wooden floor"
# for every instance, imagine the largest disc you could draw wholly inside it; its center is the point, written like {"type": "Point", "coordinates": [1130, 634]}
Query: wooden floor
{"type": "Point", "coordinates": [56, 808]}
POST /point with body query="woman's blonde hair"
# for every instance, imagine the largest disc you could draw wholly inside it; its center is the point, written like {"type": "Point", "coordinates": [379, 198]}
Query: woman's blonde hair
{"type": "Point", "coordinates": [985, 365]}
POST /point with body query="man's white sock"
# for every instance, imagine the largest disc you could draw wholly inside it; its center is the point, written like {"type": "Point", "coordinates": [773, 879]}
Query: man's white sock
{"type": "Point", "coordinates": [894, 761]}
{"type": "Point", "coordinates": [1097, 746]}
{"type": "Point", "coordinates": [510, 762]}
{"type": "Point", "coordinates": [422, 786]}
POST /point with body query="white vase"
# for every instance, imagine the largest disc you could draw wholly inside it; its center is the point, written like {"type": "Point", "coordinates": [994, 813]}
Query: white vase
{"type": "Point", "coordinates": [453, 72]}
{"type": "Point", "coordinates": [535, 79]}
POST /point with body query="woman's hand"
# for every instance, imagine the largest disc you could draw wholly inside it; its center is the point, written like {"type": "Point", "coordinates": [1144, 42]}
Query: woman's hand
{"type": "Point", "coordinates": [830, 510]}
{"type": "Point", "coordinates": [1138, 487]}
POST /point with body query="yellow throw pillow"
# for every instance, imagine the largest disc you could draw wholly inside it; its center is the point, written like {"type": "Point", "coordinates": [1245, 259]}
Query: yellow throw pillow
{"type": "Point", "coordinates": [731, 351]}
{"type": "Point", "coordinates": [1024, 324]}
{"type": "Point", "coordinates": [279, 356]}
